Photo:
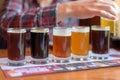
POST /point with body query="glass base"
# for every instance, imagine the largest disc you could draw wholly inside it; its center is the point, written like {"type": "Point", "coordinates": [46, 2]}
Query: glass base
{"type": "Point", "coordinates": [61, 60]}
{"type": "Point", "coordinates": [39, 61]}
{"type": "Point", "coordinates": [16, 63]}
{"type": "Point", "coordinates": [99, 56]}
{"type": "Point", "coordinates": [79, 58]}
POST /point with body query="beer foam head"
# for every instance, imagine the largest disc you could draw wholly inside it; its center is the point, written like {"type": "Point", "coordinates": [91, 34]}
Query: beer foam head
{"type": "Point", "coordinates": [99, 28]}
{"type": "Point", "coordinates": [60, 31]}
{"type": "Point", "coordinates": [16, 30]}
{"type": "Point", "coordinates": [81, 29]}
{"type": "Point", "coordinates": [40, 30]}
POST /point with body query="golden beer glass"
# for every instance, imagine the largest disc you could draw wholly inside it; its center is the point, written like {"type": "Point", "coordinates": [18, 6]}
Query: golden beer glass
{"type": "Point", "coordinates": [113, 24]}
{"type": "Point", "coordinates": [61, 44]}
{"type": "Point", "coordinates": [80, 43]}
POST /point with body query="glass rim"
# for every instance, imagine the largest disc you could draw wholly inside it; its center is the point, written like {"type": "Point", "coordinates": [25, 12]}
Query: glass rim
{"type": "Point", "coordinates": [16, 30]}
{"type": "Point", "coordinates": [62, 31]}
{"type": "Point", "coordinates": [109, 19]}
{"type": "Point", "coordinates": [39, 29]}
{"type": "Point", "coordinates": [98, 27]}
{"type": "Point", "coordinates": [62, 28]}
{"type": "Point", "coordinates": [81, 29]}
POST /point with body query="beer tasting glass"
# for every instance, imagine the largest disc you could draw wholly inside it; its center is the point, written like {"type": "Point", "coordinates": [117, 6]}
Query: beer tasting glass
{"type": "Point", "coordinates": [16, 46]}
{"type": "Point", "coordinates": [39, 45]}
{"type": "Point", "coordinates": [61, 44]}
{"type": "Point", "coordinates": [114, 31]}
{"type": "Point", "coordinates": [113, 24]}
{"type": "Point", "coordinates": [100, 41]}
{"type": "Point", "coordinates": [80, 43]}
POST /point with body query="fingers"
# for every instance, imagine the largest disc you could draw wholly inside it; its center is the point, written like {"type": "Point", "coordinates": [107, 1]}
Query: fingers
{"type": "Point", "coordinates": [104, 14]}
{"type": "Point", "coordinates": [113, 6]}
{"type": "Point", "coordinates": [105, 8]}
{"type": "Point", "coordinates": [117, 7]}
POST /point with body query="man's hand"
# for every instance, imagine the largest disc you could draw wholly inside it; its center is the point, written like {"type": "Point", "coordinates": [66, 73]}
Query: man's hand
{"type": "Point", "coordinates": [87, 9]}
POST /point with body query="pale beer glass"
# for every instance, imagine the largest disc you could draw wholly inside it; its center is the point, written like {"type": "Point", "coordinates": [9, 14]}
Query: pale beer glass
{"type": "Point", "coordinates": [80, 43]}
{"type": "Point", "coordinates": [113, 24]}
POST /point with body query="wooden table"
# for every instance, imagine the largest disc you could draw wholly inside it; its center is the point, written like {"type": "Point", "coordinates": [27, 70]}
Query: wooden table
{"type": "Point", "coordinates": [112, 73]}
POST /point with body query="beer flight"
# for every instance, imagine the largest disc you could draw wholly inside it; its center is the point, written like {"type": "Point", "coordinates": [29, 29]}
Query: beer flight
{"type": "Point", "coordinates": [68, 44]}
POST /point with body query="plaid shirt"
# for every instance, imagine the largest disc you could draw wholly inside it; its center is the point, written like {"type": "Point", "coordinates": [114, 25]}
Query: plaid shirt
{"type": "Point", "coordinates": [26, 13]}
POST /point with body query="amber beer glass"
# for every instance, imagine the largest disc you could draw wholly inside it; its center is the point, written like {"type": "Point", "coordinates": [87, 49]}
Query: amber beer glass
{"type": "Point", "coordinates": [80, 43]}
{"type": "Point", "coordinates": [39, 45]}
{"type": "Point", "coordinates": [61, 44]}
{"type": "Point", "coordinates": [112, 23]}
{"type": "Point", "coordinates": [16, 46]}
{"type": "Point", "coordinates": [100, 40]}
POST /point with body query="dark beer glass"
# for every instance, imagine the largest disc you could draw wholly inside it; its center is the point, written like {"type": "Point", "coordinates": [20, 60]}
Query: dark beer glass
{"type": "Point", "coordinates": [16, 46]}
{"type": "Point", "coordinates": [100, 40]}
{"type": "Point", "coordinates": [61, 44]}
{"type": "Point", "coordinates": [39, 45]}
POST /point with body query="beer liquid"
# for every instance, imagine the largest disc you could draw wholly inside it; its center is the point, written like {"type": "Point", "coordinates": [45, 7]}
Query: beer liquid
{"type": "Point", "coordinates": [110, 23]}
{"type": "Point", "coordinates": [39, 45]}
{"type": "Point", "coordinates": [80, 43]}
{"type": "Point", "coordinates": [100, 41]}
{"type": "Point", "coordinates": [16, 46]}
{"type": "Point", "coordinates": [61, 46]}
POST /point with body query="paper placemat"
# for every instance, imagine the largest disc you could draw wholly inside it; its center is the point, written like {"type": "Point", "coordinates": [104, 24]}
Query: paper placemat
{"type": "Point", "coordinates": [33, 69]}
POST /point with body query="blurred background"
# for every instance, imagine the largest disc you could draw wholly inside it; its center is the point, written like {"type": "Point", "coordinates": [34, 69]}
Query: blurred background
{"type": "Point", "coordinates": [3, 43]}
